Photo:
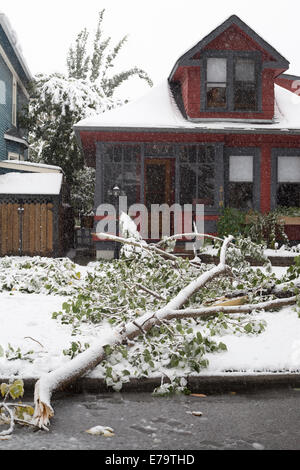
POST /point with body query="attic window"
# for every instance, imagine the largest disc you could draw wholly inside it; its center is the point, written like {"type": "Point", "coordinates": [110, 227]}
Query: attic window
{"type": "Point", "coordinates": [232, 82]}
{"type": "Point", "coordinates": [244, 85]}
{"type": "Point", "coordinates": [216, 82]}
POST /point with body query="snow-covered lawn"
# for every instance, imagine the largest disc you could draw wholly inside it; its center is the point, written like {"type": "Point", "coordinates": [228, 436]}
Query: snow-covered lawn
{"type": "Point", "coordinates": [26, 322]}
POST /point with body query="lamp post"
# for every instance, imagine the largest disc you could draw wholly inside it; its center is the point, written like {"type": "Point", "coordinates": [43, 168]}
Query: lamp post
{"type": "Point", "coordinates": [116, 194]}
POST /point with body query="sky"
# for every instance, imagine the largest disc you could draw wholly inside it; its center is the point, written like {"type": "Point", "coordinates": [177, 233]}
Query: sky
{"type": "Point", "coordinates": [159, 31]}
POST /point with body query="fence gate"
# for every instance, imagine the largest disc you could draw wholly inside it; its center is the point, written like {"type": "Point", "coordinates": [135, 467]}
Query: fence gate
{"type": "Point", "coordinates": [26, 229]}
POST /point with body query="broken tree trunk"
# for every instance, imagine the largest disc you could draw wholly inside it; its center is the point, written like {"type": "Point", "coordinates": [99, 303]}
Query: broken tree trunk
{"type": "Point", "coordinates": [89, 359]}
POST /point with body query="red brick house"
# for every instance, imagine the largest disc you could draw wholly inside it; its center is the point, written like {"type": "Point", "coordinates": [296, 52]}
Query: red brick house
{"type": "Point", "coordinates": [224, 129]}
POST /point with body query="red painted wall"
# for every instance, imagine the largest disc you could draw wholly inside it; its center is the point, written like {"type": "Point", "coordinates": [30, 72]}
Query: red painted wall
{"type": "Point", "coordinates": [264, 141]}
{"type": "Point", "coordinates": [235, 39]}
{"type": "Point", "coordinates": [292, 85]}
{"type": "Point", "coordinates": [190, 78]}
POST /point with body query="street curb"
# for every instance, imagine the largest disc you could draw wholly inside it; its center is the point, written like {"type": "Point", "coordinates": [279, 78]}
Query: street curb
{"type": "Point", "coordinates": [203, 384]}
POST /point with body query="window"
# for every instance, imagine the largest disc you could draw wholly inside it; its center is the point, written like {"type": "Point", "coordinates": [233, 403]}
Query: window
{"type": "Point", "coordinates": [288, 181]}
{"type": "Point", "coordinates": [2, 92]}
{"type": "Point", "coordinates": [216, 83]}
{"type": "Point", "coordinates": [244, 85]}
{"type": "Point", "coordinates": [240, 186]}
{"type": "Point", "coordinates": [197, 174]}
{"type": "Point", "coordinates": [120, 166]}
{"type": "Point", "coordinates": [232, 82]}
{"type": "Point", "coordinates": [13, 156]}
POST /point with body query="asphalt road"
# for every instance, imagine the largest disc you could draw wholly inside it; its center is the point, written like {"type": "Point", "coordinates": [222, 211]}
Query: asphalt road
{"type": "Point", "coordinates": [233, 421]}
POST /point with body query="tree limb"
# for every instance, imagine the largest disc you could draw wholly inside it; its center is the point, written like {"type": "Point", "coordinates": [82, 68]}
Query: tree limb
{"type": "Point", "coordinates": [240, 309]}
{"type": "Point", "coordinates": [126, 241]}
{"type": "Point", "coordinates": [90, 358]}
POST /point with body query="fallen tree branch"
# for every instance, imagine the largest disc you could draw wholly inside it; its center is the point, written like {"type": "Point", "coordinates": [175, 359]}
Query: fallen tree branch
{"type": "Point", "coordinates": [188, 235]}
{"type": "Point", "coordinates": [154, 294]}
{"type": "Point", "coordinates": [283, 290]}
{"type": "Point", "coordinates": [10, 430]}
{"type": "Point", "coordinates": [126, 241]}
{"type": "Point", "coordinates": [240, 309]}
{"type": "Point", "coordinates": [87, 360]}
{"type": "Point", "coordinates": [90, 358]}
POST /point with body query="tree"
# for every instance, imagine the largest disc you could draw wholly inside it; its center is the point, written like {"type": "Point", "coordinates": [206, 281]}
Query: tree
{"type": "Point", "coordinates": [123, 334]}
{"type": "Point", "coordinates": [58, 101]}
{"type": "Point", "coordinates": [166, 325]}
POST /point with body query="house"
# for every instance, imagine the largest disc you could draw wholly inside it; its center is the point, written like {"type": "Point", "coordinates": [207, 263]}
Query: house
{"type": "Point", "coordinates": [223, 130]}
{"type": "Point", "coordinates": [35, 218]}
{"type": "Point", "coordinates": [15, 78]}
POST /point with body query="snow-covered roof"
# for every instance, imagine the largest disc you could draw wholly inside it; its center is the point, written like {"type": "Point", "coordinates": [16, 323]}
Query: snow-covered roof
{"type": "Point", "coordinates": [13, 39]}
{"type": "Point", "coordinates": [158, 110]}
{"type": "Point", "coordinates": [31, 183]}
{"type": "Point", "coordinates": [30, 166]}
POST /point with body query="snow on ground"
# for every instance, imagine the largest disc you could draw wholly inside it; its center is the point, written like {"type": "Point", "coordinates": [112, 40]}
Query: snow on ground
{"type": "Point", "coordinates": [26, 320]}
{"type": "Point", "coordinates": [29, 315]}
{"type": "Point", "coordinates": [276, 349]}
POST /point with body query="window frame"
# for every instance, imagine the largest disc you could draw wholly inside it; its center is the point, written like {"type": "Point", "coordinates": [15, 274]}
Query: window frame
{"type": "Point", "coordinates": [254, 152]}
{"type": "Point", "coordinates": [101, 197]}
{"type": "Point", "coordinates": [279, 152]}
{"type": "Point", "coordinates": [230, 80]}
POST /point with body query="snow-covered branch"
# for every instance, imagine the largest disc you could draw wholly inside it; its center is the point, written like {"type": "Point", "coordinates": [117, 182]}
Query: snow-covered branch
{"type": "Point", "coordinates": [138, 244]}
{"type": "Point", "coordinates": [94, 355]}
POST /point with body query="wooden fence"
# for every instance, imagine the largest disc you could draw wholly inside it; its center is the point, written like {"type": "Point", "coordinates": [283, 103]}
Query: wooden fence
{"type": "Point", "coordinates": [26, 229]}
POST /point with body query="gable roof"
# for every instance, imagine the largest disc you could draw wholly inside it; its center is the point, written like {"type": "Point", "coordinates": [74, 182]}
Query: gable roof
{"type": "Point", "coordinates": [187, 58]}
{"type": "Point", "coordinates": [13, 40]}
{"type": "Point", "coordinates": [158, 111]}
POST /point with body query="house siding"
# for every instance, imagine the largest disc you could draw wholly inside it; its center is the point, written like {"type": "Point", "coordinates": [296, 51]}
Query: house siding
{"type": "Point", "coordinates": [5, 109]}
{"type": "Point", "coordinates": [12, 57]}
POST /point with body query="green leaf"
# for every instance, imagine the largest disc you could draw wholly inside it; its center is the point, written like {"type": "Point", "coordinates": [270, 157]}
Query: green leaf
{"type": "Point", "coordinates": [16, 390]}
{"type": "Point", "coordinates": [4, 389]}
{"type": "Point", "coordinates": [248, 328]}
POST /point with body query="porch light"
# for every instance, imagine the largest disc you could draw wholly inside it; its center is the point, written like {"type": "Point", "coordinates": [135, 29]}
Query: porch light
{"type": "Point", "coordinates": [116, 192]}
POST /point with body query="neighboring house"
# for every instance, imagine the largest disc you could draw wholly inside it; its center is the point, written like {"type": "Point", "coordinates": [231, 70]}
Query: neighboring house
{"type": "Point", "coordinates": [223, 130]}
{"type": "Point", "coordinates": [35, 218]}
{"type": "Point", "coordinates": [14, 82]}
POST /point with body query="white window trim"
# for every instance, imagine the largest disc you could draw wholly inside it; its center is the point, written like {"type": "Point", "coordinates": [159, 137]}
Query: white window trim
{"type": "Point", "coordinates": [13, 156]}
{"type": "Point", "coordinates": [14, 102]}
{"type": "Point", "coordinates": [12, 70]}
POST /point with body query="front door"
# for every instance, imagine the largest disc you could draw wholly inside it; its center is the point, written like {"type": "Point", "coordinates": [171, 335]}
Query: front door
{"type": "Point", "coordinates": [159, 184]}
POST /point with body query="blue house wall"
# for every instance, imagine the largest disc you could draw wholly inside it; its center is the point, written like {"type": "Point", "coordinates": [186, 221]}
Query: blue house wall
{"type": "Point", "coordinates": [12, 56]}
{"type": "Point", "coordinates": [5, 106]}
{"type": "Point", "coordinates": [6, 100]}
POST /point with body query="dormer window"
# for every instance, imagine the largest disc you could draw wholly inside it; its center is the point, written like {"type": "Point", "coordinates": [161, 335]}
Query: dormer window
{"type": "Point", "coordinates": [245, 88]}
{"type": "Point", "coordinates": [216, 83]}
{"type": "Point", "coordinates": [232, 82]}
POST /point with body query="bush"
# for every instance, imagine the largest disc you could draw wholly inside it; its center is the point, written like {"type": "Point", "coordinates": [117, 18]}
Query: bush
{"type": "Point", "coordinates": [267, 228]}
{"type": "Point", "coordinates": [260, 228]}
{"type": "Point", "coordinates": [232, 222]}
